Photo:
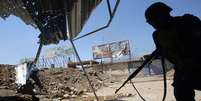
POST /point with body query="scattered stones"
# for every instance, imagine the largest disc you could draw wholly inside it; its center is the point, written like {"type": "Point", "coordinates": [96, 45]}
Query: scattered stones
{"type": "Point", "coordinates": [69, 83]}
{"type": "Point", "coordinates": [73, 96]}
{"type": "Point", "coordinates": [7, 76]}
{"type": "Point", "coordinates": [66, 96]}
{"type": "Point", "coordinates": [84, 96]}
{"type": "Point", "coordinates": [128, 94]}
{"type": "Point", "coordinates": [59, 83]}
{"type": "Point", "coordinates": [65, 100]}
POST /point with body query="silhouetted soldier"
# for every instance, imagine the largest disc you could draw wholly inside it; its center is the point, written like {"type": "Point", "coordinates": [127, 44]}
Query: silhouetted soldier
{"type": "Point", "coordinates": [177, 39]}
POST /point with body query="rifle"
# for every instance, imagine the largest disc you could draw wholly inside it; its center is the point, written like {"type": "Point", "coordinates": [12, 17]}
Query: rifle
{"type": "Point", "coordinates": [154, 54]}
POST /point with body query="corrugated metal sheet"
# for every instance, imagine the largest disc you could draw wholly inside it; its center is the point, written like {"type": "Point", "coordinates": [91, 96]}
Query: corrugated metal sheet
{"type": "Point", "coordinates": [79, 14]}
{"type": "Point", "coordinates": [50, 16]}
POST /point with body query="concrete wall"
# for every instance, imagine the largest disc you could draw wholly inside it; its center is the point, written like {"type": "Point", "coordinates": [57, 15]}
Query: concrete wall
{"type": "Point", "coordinates": [155, 67]}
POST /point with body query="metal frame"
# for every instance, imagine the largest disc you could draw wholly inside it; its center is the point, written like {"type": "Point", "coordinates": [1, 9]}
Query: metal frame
{"type": "Point", "coordinates": [99, 29]}
{"type": "Point", "coordinates": [82, 66]}
{"type": "Point", "coordinates": [38, 53]}
{"type": "Point", "coordinates": [111, 13]}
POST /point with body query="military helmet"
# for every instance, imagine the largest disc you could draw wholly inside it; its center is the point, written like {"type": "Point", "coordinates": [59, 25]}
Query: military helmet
{"type": "Point", "coordinates": [156, 8]}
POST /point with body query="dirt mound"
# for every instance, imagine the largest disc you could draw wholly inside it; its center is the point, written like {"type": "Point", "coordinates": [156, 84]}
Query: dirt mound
{"type": "Point", "coordinates": [7, 76]}
{"type": "Point", "coordinates": [57, 82]}
{"type": "Point", "coordinates": [68, 82]}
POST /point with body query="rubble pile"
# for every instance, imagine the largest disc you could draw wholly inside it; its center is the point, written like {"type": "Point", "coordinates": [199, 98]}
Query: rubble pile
{"type": "Point", "coordinates": [57, 82]}
{"type": "Point", "coordinates": [7, 76]}
{"type": "Point", "coordinates": [68, 82]}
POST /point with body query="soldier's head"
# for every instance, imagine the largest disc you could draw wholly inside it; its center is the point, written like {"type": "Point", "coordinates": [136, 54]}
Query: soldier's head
{"type": "Point", "coordinates": [157, 14]}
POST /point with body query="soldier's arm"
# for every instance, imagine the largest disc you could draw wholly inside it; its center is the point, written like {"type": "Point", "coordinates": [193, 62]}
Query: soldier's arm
{"type": "Point", "coordinates": [158, 48]}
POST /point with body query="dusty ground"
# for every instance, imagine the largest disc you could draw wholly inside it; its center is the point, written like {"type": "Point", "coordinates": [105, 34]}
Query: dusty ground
{"type": "Point", "coordinates": [151, 89]}
{"type": "Point", "coordinates": [71, 85]}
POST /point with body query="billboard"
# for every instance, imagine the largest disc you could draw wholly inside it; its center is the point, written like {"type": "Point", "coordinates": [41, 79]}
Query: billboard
{"type": "Point", "coordinates": [101, 51]}
{"type": "Point", "coordinates": [111, 50]}
{"type": "Point", "coordinates": [119, 49]}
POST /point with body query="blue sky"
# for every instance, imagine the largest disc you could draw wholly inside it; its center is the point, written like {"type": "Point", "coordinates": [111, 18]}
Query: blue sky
{"type": "Point", "coordinates": [19, 40]}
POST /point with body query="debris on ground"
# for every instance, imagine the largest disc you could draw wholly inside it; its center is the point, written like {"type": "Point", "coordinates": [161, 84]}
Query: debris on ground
{"type": "Point", "coordinates": [68, 82]}
{"type": "Point", "coordinates": [7, 76]}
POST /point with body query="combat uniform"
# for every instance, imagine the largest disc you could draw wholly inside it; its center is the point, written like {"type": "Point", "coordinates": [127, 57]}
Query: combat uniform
{"type": "Point", "coordinates": [179, 42]}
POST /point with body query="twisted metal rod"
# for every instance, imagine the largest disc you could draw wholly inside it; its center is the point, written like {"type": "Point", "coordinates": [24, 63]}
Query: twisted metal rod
{"type": "Point", "coordinates": [78, 57]}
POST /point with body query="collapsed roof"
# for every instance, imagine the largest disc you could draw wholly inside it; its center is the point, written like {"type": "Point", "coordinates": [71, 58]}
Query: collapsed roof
{"type": "Point", "coordinates": [54, 18]}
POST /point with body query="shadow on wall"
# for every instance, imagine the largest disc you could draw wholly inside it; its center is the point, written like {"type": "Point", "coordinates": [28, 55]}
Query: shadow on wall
{"type": "Point", "coordinates": [152, 68]}
{"type": "Point", "coordinates": [155, 67]}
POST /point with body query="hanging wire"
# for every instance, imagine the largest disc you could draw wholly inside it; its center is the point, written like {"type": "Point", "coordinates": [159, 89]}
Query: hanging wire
{"type": "Point", "coordinates": [164, 78]}
{"type": "Point", "coordinates": [132, 83]}
{"type": "Point", "coordinates": [137, 91]}
{"type": "Point", "coordinates": [154, 53]}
